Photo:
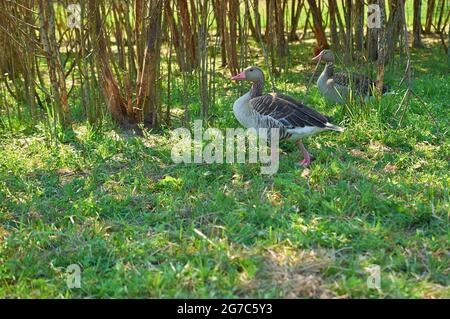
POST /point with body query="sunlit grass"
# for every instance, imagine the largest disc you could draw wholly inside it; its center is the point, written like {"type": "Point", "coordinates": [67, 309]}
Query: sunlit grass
{"type": "Point", "coordinates": [140, 226]}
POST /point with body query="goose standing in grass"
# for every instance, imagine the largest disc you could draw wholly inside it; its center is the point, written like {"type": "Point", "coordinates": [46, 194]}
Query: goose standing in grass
{"type": "Point", "coordinates": [337, 87]}
{"type": "Point", "coordinates": [274, 110]}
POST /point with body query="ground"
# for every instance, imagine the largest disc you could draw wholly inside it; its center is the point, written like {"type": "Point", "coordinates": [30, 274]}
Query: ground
{"type": "Point", "coordinates": [140, 226]}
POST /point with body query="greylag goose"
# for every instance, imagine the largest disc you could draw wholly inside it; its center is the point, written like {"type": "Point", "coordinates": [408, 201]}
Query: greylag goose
{"type": "Point", "coordinates": [336, 87]}
{"type": "Point", "coordinates": [274, 110]}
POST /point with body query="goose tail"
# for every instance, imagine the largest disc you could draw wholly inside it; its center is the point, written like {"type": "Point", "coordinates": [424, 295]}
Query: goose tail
{"type": "Point", "coordinates": [387, 90]}
{"type": "Point", "coordinates": [390, 93]}
{"type": "Point", "coordinates": [332, 127]}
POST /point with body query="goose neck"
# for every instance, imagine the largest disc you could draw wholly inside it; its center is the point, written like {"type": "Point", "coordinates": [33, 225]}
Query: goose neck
{"type": "Point", "coordinates": [257, 89]}
{"type": "Point", "coordinates": [329, 70]}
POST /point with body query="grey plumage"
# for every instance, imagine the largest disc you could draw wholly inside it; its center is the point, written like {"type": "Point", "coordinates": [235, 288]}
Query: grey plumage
{"type": "Point", "coordinates": [284, 112]}
{"type": "Point", "coordinates": [274, 110]}
{"type": "Point", "coordinates": [338, 87]}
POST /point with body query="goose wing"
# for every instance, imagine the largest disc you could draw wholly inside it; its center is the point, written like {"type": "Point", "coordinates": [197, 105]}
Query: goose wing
{"type": "Point", "coordinates": [288, 111]}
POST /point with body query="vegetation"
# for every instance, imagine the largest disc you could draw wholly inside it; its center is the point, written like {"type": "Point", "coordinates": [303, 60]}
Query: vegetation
{"type": "Point", "coordinates": [86, 175]}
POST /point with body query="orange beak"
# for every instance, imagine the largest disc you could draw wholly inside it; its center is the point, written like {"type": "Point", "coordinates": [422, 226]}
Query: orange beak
{"type": "Point", "coordinates": [241, 76]}
{"type": "Point", "coordinates": [318, 57]}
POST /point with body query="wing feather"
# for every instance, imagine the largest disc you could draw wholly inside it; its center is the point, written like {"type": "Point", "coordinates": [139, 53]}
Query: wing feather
{"type": "Point", "coordinates": [288, 111]}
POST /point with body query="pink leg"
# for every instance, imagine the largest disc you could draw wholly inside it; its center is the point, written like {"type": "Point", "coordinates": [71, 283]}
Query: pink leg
{"type": "Point", "coordinates": [307, 157]}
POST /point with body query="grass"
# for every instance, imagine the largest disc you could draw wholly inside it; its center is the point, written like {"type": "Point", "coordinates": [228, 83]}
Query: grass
{"type": "Point", "coordinates": [140, 226]}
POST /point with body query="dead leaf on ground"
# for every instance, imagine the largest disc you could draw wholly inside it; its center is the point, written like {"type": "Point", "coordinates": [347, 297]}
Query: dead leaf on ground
{"type": "Point", "coordinates": [390, 168]}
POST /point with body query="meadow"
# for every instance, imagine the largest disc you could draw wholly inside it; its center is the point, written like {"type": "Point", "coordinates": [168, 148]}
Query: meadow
{"type": "Point", "coordinates": [140, 226]}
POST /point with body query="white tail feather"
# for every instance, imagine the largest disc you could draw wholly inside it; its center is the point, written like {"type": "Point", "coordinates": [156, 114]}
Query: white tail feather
{"type": "Point", "coordinates": [334, 127]}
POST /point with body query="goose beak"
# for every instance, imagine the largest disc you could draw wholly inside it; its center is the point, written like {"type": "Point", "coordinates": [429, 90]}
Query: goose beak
{"type": "Point", "coordinates": [241, 76]}
{"type": "Point", "coordinates": [318, 57]}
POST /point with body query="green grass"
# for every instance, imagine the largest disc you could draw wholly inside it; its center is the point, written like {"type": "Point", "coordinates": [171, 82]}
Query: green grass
{"type": "Point", "coordinates": [140, 226]}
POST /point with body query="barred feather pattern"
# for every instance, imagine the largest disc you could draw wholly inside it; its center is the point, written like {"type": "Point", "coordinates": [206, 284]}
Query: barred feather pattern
{"type": "Point", "coordinates": [276, 110]}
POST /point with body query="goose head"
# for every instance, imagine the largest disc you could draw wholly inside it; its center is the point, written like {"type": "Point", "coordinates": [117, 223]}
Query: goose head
{"type": "Point", "coordinates": [251, 74]}
{"type": "Point", "coordinates": [325, 55]}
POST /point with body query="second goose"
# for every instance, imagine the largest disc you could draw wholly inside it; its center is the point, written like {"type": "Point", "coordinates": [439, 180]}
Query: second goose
{"type": "Point", "coordinates": [337, 87]}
